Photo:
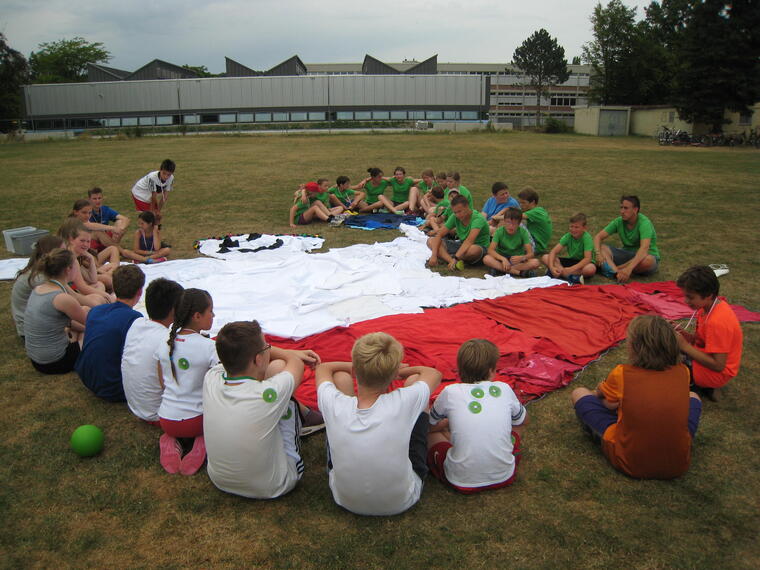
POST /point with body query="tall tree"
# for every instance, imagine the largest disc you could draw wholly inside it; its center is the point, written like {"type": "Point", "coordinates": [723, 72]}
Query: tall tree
{"type": "Point", "coordinates": [718, 52]}
{"type": "Point", "coordinates": [14, 72]}
{"type": "Point", "coordinates": [65, 61]}
{"type": "Point", "coordinates": [542, 59]}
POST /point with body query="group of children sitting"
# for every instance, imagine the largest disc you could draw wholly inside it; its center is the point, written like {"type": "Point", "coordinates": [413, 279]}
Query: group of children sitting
{"type": "Point", "coordinates": [508, 236]}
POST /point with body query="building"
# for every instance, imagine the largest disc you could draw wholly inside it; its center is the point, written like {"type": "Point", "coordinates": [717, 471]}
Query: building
{"type": "Point", "coordinates": [164, 94]}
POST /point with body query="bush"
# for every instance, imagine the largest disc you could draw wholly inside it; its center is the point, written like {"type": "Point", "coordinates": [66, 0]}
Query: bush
{"type": "Point", "coordinates": [552, 125]}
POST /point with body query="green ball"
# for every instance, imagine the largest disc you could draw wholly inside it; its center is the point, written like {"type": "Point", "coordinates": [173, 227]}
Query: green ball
{"type": "Point", "coordinates": [87, 440]}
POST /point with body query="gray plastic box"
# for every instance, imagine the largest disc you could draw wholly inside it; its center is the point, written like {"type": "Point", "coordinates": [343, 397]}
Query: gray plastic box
{"type": "Point", "coordinates": [23, 243]}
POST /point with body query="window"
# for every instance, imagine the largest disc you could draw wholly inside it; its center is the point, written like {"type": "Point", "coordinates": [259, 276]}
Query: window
{"type": "Point", "coordinates": [279, 117]}
{"type": "Point", "coordinates": [227, 118]}
{"type": "Point", "coordinates": [434, 115]}
{"type": "Point", "coordinates": [396, 115]}
{"type": "Point", "coordinates": [451, 115]}
{"type": "Point", "coordinates": [129, 121]}
{"type": "Point", "coordinates": [190, 119]}
{"type": "Point", "coordinates": [470, 115]}
{"type": "Point", "coordinates": [248, 117]}
{"type": "Point", "coordinates": [344, 116]}
{"type": "Point", "coordinates": [146, 121]}
{"type": "Point", "coordinates": [166, 120]}
{"type": "Point", "coordinates": [209, 118]}
{"type": "Point", "coordinates": [319, 116]}
{"type": "Point", "coordinates": [416, 114]}
{"type": "Point", "coordinates": [263, 117]}
{"type": "Point", "coordinates": [562, 101]}
{"type": "Point", "coordinates": [381, 115]}
{"type": "Point", "coordinates": [115, 122]}
{"type": "Point", "coordinates": [298, 116]}
{"type": "Point", "coordinates": [362, 115]}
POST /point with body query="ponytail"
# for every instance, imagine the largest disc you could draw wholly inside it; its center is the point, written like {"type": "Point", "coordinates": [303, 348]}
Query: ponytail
{"type": "Point", "coordinates": [53, 264]}
{"type": "Point", "coordinates": [190, 302]}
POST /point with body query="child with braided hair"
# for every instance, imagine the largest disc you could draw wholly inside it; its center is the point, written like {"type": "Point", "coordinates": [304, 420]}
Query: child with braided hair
{"type": "Point", "coordinates": [183, 362]}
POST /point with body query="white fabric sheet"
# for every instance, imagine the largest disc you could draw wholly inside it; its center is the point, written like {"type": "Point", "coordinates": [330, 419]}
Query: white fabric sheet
{"type": "Point", "coordinates": [295, 294]}
{"type": "Point", "coordinates": [9, 267]}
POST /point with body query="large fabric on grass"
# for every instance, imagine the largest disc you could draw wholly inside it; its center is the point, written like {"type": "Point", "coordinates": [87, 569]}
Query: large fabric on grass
{"type": "Point", "coordinates": [380, 221]}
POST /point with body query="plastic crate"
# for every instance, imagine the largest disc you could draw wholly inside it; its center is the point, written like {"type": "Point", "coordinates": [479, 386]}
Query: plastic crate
{"type": "Point", "coordinates": [23, 244]}
{"type": "Point", "coordinates": [8, 235]}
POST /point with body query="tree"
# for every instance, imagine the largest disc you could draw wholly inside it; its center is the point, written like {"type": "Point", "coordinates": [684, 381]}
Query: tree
{"type": "Point", "coordinates": [542, 59]}
{"type": "Point", "coordinates": [14, 72]}
{"type": "Point", "coordinates": [199, 70]}
{"type": "Point", "coordinates": [65, 61]}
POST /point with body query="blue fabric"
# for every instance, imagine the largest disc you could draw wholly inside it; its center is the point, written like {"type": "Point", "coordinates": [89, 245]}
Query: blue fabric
{"type": "Point", "coordinates": [377, 221]}
{"type": "Point", "coordinates": [99, 363]}
{"type": "Point", "coordinates": [492, 207]}
{"type": "Point", "coordinates": [106, 216]}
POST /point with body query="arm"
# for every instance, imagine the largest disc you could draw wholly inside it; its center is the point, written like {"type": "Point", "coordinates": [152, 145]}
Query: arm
{"type": "Point", "coordinates": [435, 245]}
{"type": "Point", "coordinates": [553, 257]}
{"type": "Point", "coordinates": [580, 265]}
{"type": "Point", "coordinates": [360, 185]}
{"type": "Point", "coordinates": [468, 241]}
{"type": "Point", "coordinates": [326, 370]}
{"type": "Point", "coordinates": [293, 362]}
{"type": "Point", "coordinates": [625, 270]}
{"type": "Point", "coordinates": [607, 404]}
{"type": "Point", "coordinates": [70, 307]}
{"type": "Point", "coordinates": [598, 239]}
{"type": "Point", "coordinates": [429, 376]}
{"type": "Point", "coordinates": [120, 224]}
{"type": "Point", "coordinates": [712, 361]}
{"type": "Point", "coordinates": [96, 227]}
{"type": "Point", "coordinates": [136, 245]}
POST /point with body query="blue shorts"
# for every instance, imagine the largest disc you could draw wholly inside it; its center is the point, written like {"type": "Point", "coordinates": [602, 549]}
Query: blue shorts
{"type": "Point", "coordinates": [621, 256]}
{"type": "Point", "coordinates": [452, 246]}
{"type": "Point", "coordinates": [597, 417]}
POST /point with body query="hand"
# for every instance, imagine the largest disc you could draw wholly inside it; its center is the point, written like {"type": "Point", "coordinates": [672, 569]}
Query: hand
{"type": "Point", "coordinates": [623, 275]}
{"type": "Point", "coordinates": [432, 262]}
{"type": "Point", "coordinates": [293, 226]}
{"type": "Point", "coordinates": [309, 357]}
{"type": "Point", "coordinates": [452, 263]}
{"type": "Point", "coordinates": [505, 265]}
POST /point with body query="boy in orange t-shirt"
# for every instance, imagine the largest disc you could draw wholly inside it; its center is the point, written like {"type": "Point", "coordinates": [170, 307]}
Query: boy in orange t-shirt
{"type": "Point", "coordinates": [715, 348]}
{"type": "Point", "coordinates": [643, 412]}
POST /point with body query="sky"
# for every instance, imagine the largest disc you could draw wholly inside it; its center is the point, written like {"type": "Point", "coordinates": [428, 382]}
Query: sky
{"type": "Point", "coordinates": [262, 33]}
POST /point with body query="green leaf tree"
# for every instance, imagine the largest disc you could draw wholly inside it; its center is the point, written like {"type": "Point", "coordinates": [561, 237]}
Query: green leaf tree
{"type": "Point", "coordinates": [14, 72]}
{"type": "Point", "coordinates": [65, 61]}
{"type": "Point", "coordinates": [542, 59]}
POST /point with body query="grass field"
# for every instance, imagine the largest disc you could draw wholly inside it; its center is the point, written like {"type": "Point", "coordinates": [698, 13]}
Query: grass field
{"type": "Point", "coordinates": [569, 508]}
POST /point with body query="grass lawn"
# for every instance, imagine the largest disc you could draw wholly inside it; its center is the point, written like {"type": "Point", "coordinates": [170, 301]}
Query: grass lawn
{"type": "Point", "coordinates": [569, 508]}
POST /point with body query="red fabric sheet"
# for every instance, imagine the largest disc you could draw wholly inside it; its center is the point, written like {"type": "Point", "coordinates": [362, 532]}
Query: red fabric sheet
{"type": "Point", "coordinates": [545, 336]}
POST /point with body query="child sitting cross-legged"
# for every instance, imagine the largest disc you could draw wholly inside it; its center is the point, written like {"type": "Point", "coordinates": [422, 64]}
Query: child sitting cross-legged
{"type": "Point", "coordinates": [643, 412]}
{"type": "Point", "coordinates": [578, 243]}
{"type": "Point", "coordinates": [475, 444]}
{"type": "Point", "coordinates": [251, 422]}
{"type": "Point", "coordinates": [511, 250]}
{"type": "Point", "coordinates": [377, 439]}
{"type": "Point", "coordinates": [147, 246]}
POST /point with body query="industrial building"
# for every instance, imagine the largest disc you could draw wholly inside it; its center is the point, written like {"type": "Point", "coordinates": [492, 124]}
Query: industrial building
{"type": "Point", "coordinates": [164, 94]}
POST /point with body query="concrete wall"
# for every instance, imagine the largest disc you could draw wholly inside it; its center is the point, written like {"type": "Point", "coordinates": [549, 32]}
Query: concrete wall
{"type": "Point", "coordinates": [648, 122]}
{"type": "Point", "coordinates": [587, 120]}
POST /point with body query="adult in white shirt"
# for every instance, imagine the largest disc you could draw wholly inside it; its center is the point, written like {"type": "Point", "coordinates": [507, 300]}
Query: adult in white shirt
{"type": "Point", "coordinates": [377, 440]}
{"type": "Point", "coordinates": [142, 384]}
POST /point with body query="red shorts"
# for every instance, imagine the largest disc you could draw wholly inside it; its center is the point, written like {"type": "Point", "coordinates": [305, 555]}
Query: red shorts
{"type": "Point", "coordinates": [437, 455]}
{"type": "Point", "coordinates": [96, 245]}
{"type": "Point", "coordinates": [192, 427]}
{"type": "Point", "coordinates": [140, 205]}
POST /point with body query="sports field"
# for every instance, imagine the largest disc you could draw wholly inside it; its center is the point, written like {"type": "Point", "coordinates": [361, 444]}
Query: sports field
{"type": "Point", "coordinates": [569, 508]}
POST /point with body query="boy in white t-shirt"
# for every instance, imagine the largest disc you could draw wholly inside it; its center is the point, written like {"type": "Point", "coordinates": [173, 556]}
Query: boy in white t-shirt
{"type": "Point", "coordinates": [475, 444]}
{"type": "Point", "coordinates": [139, 374]}
{"type": "Point", "coordinates": [151, 192]}
{"type": "Point", "coordinates": [376, 439]}
{"type": "Point", "coordinates": [250, 422]}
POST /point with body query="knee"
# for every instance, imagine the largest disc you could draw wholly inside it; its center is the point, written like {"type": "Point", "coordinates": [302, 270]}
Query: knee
{"type": "Point", "coordinates": [579, 393]}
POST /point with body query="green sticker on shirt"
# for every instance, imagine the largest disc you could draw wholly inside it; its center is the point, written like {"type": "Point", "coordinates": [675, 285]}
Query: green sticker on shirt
{"type": "Point", "coordinates": [477, 392]}
{"type": "Point", "coordinates": [269, 395]}
{"type": "Point", "coordinates": [495, 391]}
{"type": "Point", "coordinates": [475, 407]}
{"type": "Point", "coordinates": [288, 414]}
{"type": "Point", "coordinates": [183, 363]}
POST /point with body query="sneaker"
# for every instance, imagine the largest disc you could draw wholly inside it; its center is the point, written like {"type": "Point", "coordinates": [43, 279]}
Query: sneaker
{"type": "Point", "coordinates": [159, 259]}
{"type": "Point", "coordinates": [459, 265]}
{"type": "Point", "coordinates": [195, 458]}
{"type": "Point", "coordinates": [150, 260]}
{"type": "Point", "coordinates": [312, 423]}
{"type": "Point", "coordinates": [719, 269]}
{"type": "Point", "coordinates": [575, 279]}
{"type": "Point", "coordinates": [607, 271]}
{"type": "Point", "coordinates": [171, 453]}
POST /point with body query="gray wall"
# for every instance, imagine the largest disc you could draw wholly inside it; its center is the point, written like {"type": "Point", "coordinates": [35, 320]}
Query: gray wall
{"type": "Point", "coordinates": [254, 93]}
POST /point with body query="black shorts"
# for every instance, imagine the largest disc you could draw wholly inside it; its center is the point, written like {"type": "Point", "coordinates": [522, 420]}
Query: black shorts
{"type": "Point", "coordinates": [64, 364]}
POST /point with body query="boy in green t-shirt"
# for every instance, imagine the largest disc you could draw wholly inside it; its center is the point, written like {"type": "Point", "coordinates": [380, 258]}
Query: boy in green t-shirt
{"type": "Point", "coordinates": [536, 218]}
{"type": "Point", "coordinates": [511, 250]}
{"type": "Point", "coordinates": [325, 197]}
{"type": "Point", "coordinates": [472, 237]}
{"type": "Point", "coordinates": [453, 182]}
{"type": "Point", "coordinates": [579, 263]}
{"type": "Point", "coordinates": [405, 192]}
{"type": "Point", "coordinates": [307, 206]}
{"type": "Point", "coordinates": [439, 213]}
{"type": "Point", "coordinates": [342, 194]}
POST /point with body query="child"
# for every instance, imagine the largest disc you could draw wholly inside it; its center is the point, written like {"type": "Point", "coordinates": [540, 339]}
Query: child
{"type": "Point", "coordinates": [497, 203]}
{"type": "Point", "coordinates": [377, 447]}
{"type": "Point", "coordinates": [103, 215]}
{"type": "Point", "coordinates": [472, 237]}
{"type": "Point", "coordinates": [424, 185]}
{"type": "Point", "coordinates": [715, 348]}
{"type": "Point", "coordinates": [644, 413]}
{"type": "Point", "coordinates": [307, 206]}
{"type": "Point", "coordinates": [107, 257]}
{"type": "Point", "coordinates": [343, 195]}
{"type": "Point", "coordinates": [53, 319]}
{"type": "Point", "coordinates": [250, 394]}
{"type": "Point", "coordinates": [183, 361]}
{"type": "Point", "coordinates": [29, 277]}
{"type": "Point", "coordinates": [85, 275]}
{"type": "Point", "coordinates": [405, 193]}
{"type": "Point", "coordinates": [475, 445]}
{"type": "Point", "coordinates": [579, 262]}
{"type": "Point", "coordinates": [452, 182]}
{"type": "Point", "coordinates": [439, 208]}
{"type": "Point", "coordinates": [99, 364]}
{"type": "Point", "coordinates": [145, 240]}
{"type": "Point", "coordinates": [325, 197]}
{"type": "Point", "coordinates": [536, 218]}
{"type": "Point", "coordinates": [139, 373]}
{"type": "Point", "coordinates": [511, 250]}
{"type": "Point", "coordinates": [151, 192]}
{"type": "Point", "coordinates": [374, 187]}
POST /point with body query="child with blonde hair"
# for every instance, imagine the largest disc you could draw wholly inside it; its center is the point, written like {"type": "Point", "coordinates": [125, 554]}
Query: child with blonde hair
{"type": "Point", "coordinates": [377, 439]}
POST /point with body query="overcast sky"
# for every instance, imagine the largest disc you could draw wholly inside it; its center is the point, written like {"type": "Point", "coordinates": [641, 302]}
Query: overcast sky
{"type": "Point", "coordinates": [262, 33]}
